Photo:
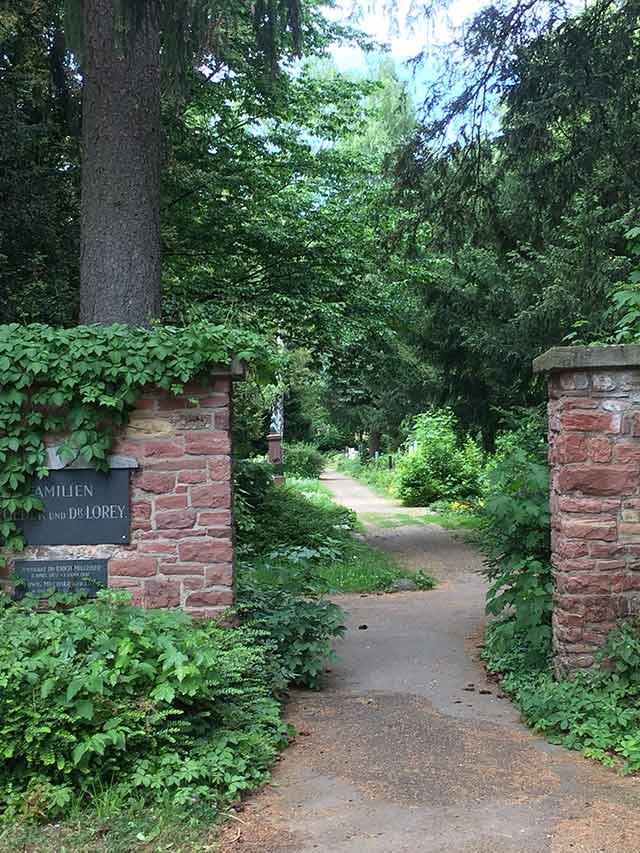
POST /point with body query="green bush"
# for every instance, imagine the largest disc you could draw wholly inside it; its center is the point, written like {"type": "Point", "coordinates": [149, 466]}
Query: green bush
{"type": "Point", "coordinates": [437, 467]}
{"type": "Point", "coordinates": [329, 437]}
{"type": "Point", "coordinates": [286, 518]}
{"type": "Point", "coordinates": [525, 429]}
{"type": "Point", "coordinates": [598, 712]}
{"type": "Point", "coordinates": [301, 459]}
{"type": "Point", "coordinates": [286, 533]}
{"type": "Point", "coordinates": [297, 631]}
{"type": "Point", "coordinates": [253, 479]}
{"type": "Point", "coordinates": [252, 482]}
{"type": "Point", "coordinates": [147, 701]}
{"type": "Point", "coordinates": [516, 538]}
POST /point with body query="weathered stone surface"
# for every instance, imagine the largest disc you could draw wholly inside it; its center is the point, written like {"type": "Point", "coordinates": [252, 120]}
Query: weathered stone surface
{"type": "Point", "coordinates": [211, 496]}
{"type": "Point", "coordinates": [208, 443]}
{"type": "Point", "coordinates": [592, 421]}
{"type": "Point", "coordinates": [587, 358]}
{"type": "Point", "coordinates": [192, 421]}
{"type": "Point", "coordinates": [205, 550]}
{"type": "Point", "coordinates": [569, 448]}
{"type": "Point", "coordinates": [586, 505]}
{"type": "Point", "coordinates": [142, 426]}
{"type": "Point", "coordinates": [161, 593]}
{"type": "Point", "coordinates": [134, 567]}
{"type": "Point", "coordinates": [604, 530]}
{"type": "Point", "coordinates": [176, 518]}
{"type": "Point", "coordinates": [602, 480]}
{"type": "Point", "coordinates": [600, 449]}
{"type": "Point", "coordinates": [188, 477]}
{"type": "Point", "coordinates": [210, 598]}
{"type": "Point", "coordinates": [171, 502]}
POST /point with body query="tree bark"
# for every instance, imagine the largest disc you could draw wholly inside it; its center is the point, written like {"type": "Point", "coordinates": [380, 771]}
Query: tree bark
{"type": "Point", "coordinates": [120, 199]}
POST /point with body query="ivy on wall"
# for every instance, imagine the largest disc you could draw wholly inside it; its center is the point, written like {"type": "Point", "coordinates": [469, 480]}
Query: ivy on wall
{"type": "Point", "coordinates": [83, 382]}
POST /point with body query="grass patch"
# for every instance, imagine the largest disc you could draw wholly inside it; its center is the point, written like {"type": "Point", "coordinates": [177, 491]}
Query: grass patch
{"type": "Point", "coordinates": [183, 830]}
{"type": "Point", "coordinates": [390, 520]}
{"type": "Point", "coordinates": [357, 567]}
{"type": "Point", "coordinates": [310, 488]}
{"type": "Point", "coordinates": [453, 520]}
{"type": "Point", "coordinates": [364, 569]}
{"type": "Point", "coordinates": [448, 520]}
{"type": "Point", "coordinates": [376, 474]}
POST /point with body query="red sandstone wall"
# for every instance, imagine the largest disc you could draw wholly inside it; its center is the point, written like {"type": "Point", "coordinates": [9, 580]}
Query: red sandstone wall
{"type": "Point", "coordinates": [594, 419]}
{"type": "Point", "coordinates": [181, 551]}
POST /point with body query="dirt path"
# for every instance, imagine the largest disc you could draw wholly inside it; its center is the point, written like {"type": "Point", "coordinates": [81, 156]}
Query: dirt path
{"type": "Point", "coordinates": [410, 749]}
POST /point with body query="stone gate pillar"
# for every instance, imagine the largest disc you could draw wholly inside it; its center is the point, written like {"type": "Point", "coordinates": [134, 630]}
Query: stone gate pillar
{"type": "Point", "coordinates": [594, 453]}
{"type": "Point", "coordinates": [159, 524]}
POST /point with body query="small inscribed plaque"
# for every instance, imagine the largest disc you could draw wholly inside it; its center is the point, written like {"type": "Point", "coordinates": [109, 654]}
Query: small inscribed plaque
{"type": "Point", "coordinates": [40, 577]}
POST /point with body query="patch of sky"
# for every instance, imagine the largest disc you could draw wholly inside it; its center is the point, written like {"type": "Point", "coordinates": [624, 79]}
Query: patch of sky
{"type": "Point", "coordinates": [403, 31]}
{"type": "Point", "coordinates": [418, 36]}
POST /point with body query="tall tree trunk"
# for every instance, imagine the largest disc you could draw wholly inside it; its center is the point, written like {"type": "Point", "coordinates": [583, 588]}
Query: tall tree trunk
{"type": "Point", "coordinates": [120, 205]}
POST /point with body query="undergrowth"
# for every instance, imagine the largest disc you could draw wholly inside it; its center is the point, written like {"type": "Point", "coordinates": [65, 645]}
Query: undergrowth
{"type": "Point", "coordinates": [145, 704]}
{"type": "Point", "coordinates": [296, 538]}
{"type": "Point", "coordinates": [107, 826]}
{"type": "Point", "coordinates": [597, 713]}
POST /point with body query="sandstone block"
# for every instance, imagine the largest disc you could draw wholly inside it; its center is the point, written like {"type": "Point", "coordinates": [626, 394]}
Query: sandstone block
{"type": "Point", "coordinates": [599, 479]}
{"type": "Point", "coordinates": [205, 443]}
{"type": "Point", "coordinates": [205, 551]}
{"type": "Point", "coordinates": [211, 496]}
{"type": "Point", "coordinates": [607, 422]}
{"type": "Point", "coordinates": [134, 567]}
{"type": "Point", "coordinates": [210, 598]}
{"type": "Point", "coordinates": [161, 593]}
{"type": "Point", "coordinates": [171, 502]}
{"type": "Point", "coordinates": [172, 519]}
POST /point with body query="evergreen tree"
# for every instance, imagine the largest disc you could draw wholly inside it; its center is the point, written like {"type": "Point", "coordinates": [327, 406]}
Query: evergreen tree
{"type": "Point", "coordinates": [121, 44]}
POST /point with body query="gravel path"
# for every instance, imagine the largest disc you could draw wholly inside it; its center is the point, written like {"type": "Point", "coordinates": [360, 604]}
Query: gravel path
{"type": "Point", "coordinates": [409, 748]}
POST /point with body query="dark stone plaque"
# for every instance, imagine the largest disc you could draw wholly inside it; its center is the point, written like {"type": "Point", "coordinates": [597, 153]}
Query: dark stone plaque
{"type": "Point", "coordinates": [81, 507]}
{"type": "Point", "coordinates": [40, 577]}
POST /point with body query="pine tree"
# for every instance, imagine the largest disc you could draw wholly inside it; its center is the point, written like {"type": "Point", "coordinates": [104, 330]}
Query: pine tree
{"type": "Point", "coordinates": [121, 46]}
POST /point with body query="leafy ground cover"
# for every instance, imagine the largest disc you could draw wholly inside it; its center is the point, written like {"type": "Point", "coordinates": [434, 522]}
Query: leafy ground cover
{"type": "Point", "coordinates": [138, 729]}
{"type": "Point", "coordinates": [597, 713]}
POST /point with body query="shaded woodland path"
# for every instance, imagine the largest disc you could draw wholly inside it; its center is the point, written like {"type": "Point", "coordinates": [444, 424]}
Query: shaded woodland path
{"type": "Point", "coordinates": [409, 748]}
